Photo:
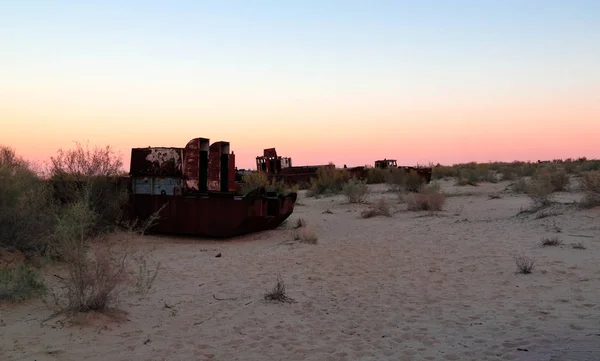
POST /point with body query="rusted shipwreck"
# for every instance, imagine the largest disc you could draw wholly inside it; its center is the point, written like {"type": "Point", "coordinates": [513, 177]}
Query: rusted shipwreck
{"type": "Point", "coordinates": [281, 168]}
{"type": "Point", "coordinates": [424, 173]}
{"type": "Point", "coordinates": [194, 190]}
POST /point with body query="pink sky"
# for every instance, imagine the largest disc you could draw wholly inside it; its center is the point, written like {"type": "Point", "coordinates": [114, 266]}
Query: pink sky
{"type": "Point", "coordinates": [315, 131]}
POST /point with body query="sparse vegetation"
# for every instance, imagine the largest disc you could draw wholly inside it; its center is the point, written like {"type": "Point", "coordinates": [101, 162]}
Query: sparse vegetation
{"type": "Point", "coordinates": [329, 181]}
{"type": "Point", "coordinates": [520, 185]}
{"type": "Point", "coordinates": [473, 173]}
{"type": "Point", "coordinates": [554, 179]}
{"type": "Point", "coordinates": [524, 264]}
{"type": "Point", "coordinates": [27, 210]}
{"type": "Point", "coordinates": [540, 191]}
{"type": "Point", "coordinates": [551, 242]}
{"type": "Point", "coordinates": [254, 180]}
{"type": "Point", "coordinates": [413, 182]}
{"type": "Point", "coordinates": [376, 176]}
{"type": "Point", "coordinates": [395, 178]}
{"type": "Point", "coordinates": [380, 208]}
{"type": "Point", "coordinates": [146, 274]}
{"type": "Point", "coordinates": [94, 275]}
{"type": "Point", "coordinates": [355, 191]}
{"type": "Point", "coordinates": [546, 214]}
{"type": "Point", "coordinates": [19, 282]}
{"type": "Point", "coordinates": [91, 176]}
{"type": "Point", "coordinates": [278, 293]}
{"type": "Point", "coordinates": [430, 199]}
{"type": "Point", "coordinates": [590, 182]}
{"type": "Point", "coordinates": [578, 245]}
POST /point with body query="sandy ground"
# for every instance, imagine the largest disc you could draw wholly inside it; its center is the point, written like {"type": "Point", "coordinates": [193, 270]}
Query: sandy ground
{"type": "Point", "coordinates": [409, 287]}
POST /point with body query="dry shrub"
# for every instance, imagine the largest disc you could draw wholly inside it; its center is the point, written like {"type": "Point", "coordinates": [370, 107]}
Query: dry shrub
{"type": "Point", "coordinates": [439, 172]}
{"type": "Point", "coordinates": [254, 180]}
{"type": "Point", "coordinates": [329, 181]}
{"type": "Point", "coordinates": [94, 275]}
{"type": "Point", "coordinates": [590, 182]}
{"type": "Point", "coordinates": [524, 264]}
{"type": "Point", "coordinates": [474, 173]}
{"type": "Point", "coordinates": [578, 245]}
{"type": "Point", "coordinates": [551, 242]}
{"type": "Point", "coordinates": [380, 208]}
{"type": "Point", "coordinates": [402, 180]}
{"type": "Point", "coordinates": [413, 182]}
{"type": "Point", "coordinates": [540, 192]}
{"type": "Point", "coordinates": [546, 214]}
{"type": "Point", "coordinates": [94, 279]}
{"type": "Point", "coordinates": [306, 235]}
{"type": "Point", "coordinates": [557, 180]}
{"type": "Point", "coordinates": [27, 210]}
{"type": "Point", "coordinates": [20, 282]}
{"type": "Point", "coordinates": [146, 274]}
{"type": "Point", "coordinates": [520, 186]}
{"type": "Point", "coordinates": [430, 199]}
{"type": "Point", "coordinates": [278, 293]}
{"type": "Point", "coordinates": [396, 179]}
{"type": "Point", "coordinates": [356, 191]}
{"type": "Point", "coordinates": [91, 176]}
{"type": "Point", "coordinates": [376, 176]}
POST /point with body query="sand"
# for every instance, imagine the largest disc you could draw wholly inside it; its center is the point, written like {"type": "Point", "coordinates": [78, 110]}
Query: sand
{"type": "Point", "coordinates": [411, 287]}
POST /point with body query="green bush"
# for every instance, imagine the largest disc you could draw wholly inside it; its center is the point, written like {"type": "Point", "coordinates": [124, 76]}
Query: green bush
{"type": "Point", "coordinates": [558, 179]}
{"type": "Point", "coordinates": [413, 182]}
{"type": "Point", "coordinates": [429, 199]}
{"type": "Point", "coordinates": [20, 282]}
{"type": "Point", "coordinates": [26, 205]}
{"type": "Point", "coordinates": [590, 182]}
{"type": "Point", "coordinates": [396, 179]}
{"type": "Point", "coordinates": [256, 180]}
{"type": "Point", "coordinates": [329, 180]}
{"type": "Point", "coordinates": [91, 176]}
{"type": "Point", "coordinates": [356, 191]}
{"type": "Point", "coordinates": [376, 176]}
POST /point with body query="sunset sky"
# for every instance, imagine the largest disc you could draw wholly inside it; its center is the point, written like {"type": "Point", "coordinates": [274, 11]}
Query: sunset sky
{"type": "Point", "coordinates": [342, 81]}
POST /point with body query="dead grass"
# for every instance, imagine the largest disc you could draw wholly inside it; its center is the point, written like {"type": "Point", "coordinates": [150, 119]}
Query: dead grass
{"type": "Point", "coordinates": [380, 208]}
{"type": "Point", "coordinates": [278, 293]}
{"type": "Point", "coordinates": [146, 274]}
{"type": "Point", "coordinates": [524, 264]}
{"type": "Point", "coordinates": [551, 242]}
{"type": "Point", "coordinates": [578, 245]}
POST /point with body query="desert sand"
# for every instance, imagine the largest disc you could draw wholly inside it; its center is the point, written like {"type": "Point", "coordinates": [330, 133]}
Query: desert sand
{"type": "Point", "coordinates": [414, 286]}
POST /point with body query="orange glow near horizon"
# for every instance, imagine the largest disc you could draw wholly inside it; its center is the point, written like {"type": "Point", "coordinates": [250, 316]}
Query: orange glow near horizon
{"type": "Point", "coordinates": [317, 132]}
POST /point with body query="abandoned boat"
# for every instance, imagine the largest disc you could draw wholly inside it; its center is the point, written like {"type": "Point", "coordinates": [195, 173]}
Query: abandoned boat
{"type": "Point", "coordinates": [193, 189]}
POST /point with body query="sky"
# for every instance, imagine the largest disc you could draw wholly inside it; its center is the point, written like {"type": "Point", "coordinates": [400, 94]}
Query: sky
{"type": "Point", "coordinates": [323, 81]}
